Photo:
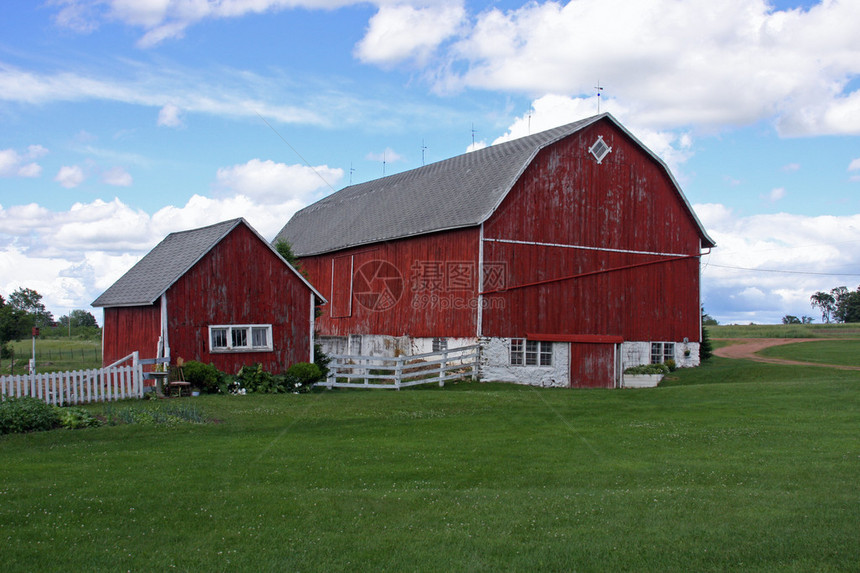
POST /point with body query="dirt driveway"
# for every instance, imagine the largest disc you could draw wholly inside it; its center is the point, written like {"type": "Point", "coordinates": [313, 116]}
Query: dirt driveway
{"type": "Point", "coordinates": [747, 348]}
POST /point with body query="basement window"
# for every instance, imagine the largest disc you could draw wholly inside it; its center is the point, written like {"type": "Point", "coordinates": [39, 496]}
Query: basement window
{"type": "Point", "coordinates": [599, 149]}
{"type": "Point", "coordinates": [662, 351]}
{"type": "Point", "coordinates": [530, 352]}
{"type": "Point", "coordinates": [240, 338]}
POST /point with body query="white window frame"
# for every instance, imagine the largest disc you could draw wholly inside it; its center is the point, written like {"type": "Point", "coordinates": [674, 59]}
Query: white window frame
{"type": "Point", "coordinates": [662, 351]}
{"type": "Point", "coordinates": [600, 149]}
{"type": "Point", "coordinates": [234, 332]}
{"type": "Point", "coordinates": [530, 352]}
{"type": "Point", "coordinates": [439, 344]}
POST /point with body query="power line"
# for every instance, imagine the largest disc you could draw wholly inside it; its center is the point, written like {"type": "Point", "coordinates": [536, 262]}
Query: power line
{"type": "Point", "coordinates": [784, 271]}
{"type": "Point", "coordinates": [296, 152]}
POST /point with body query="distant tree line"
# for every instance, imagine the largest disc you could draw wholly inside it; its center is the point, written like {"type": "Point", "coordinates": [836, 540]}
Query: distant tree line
{"type": "Point", "coordinates": [838, 305]}
{"type": "Point", "coordinates": [24, 310]}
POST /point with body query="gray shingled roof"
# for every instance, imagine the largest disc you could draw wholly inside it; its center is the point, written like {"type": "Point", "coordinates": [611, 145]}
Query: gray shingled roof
{"type": "Point", "coordinates": [458, 192]}
{"type": "Point", "coordinates": [146, 281]}
{"type": "Point", "coordinates": [462, 191]}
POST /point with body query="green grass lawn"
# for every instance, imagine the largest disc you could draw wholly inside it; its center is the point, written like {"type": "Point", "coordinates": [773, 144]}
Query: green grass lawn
{"type": "Point", "coordinates": [756, 472]}
{"type": "Point", "coordinates": [784, 330]}
{"type": "Point", "coordinates": [843, 352]}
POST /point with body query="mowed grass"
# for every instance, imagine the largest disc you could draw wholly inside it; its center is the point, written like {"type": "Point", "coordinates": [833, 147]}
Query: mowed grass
{"type": "Point", "coordinates": [784, 330]}
{"type": "Point", "coordinates": [842, 352]}
{"type": "Point", "coordinates": [757, 472]}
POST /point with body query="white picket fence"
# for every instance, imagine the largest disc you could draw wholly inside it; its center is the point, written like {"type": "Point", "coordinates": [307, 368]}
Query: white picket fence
{"type": "Point", "coordinates": [78, 387]}
{"type": "Point", "coordinates": [354, 371]}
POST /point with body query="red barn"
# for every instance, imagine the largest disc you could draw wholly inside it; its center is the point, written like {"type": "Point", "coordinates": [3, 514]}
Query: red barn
{"type": "Point", "coordinates": [569, 255]}
{"type": "Point", "coordinates": [218, 294]}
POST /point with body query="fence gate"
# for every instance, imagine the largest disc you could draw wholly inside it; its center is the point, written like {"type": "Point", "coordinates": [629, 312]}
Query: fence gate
{"type": "Point", "coordinates": [355, 371]}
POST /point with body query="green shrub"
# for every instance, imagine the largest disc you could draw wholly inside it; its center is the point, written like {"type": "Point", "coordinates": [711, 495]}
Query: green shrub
{"type": "Point", "coordinates": [300, 377]}
{"type": "Point", "coordinates": [204, 376]}
{"type": "Point", "coordinates": [648, 369]}
{"type": "Point", "coordinates": [76, 418]}
{"type": "Point", "coordinates": [253, 378]}
{"type": "Point", "coordinates": [322, 360]}
{"type": "Point", "coordinates": [18, 415]}
{"type": "Point", "coordinates": [670, 364]}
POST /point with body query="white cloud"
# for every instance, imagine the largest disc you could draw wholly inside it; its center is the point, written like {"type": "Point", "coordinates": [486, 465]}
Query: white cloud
{"type": "Point", "coordinates": [696, 62]}
{"type": "Point", "coordinates": [775, 194]}
{"type": "Point", "coordinates": [170, 116]}
{"type": "Point", "coordinates": [117, 176]}
{"type": "Point", "coordinates": [791, 167]}
{"type": "Point", "coordinates": [13, 163]}
{"type": "Point", "coordinates": [168, 19]}
{"type": "Point", "coordinates": [388, 156]}
{"type": "Point", "coordinates": [70, 176]}
{"type": "Point", "coordinates": [223, 92]}
{"type": "Point", "coordinates": [269, 182]}
{"type": "Point", "coordinates": [401, 32]}
{"type": "Point", "coordinates": [854, 165]}
{"type": "Point", "coordinates": [739, 278]}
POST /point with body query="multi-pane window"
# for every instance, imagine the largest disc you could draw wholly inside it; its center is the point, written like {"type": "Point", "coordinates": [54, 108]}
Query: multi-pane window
{"type": "Point", "coordinates": [240, 338]}
{"type": "Point", "coordinates": [440, 344]}
{"type": "Point", "coordinates": [662, 351]}
{"type": "Point", "coordinates": [259, 336]}
{"type": "Point", "coordinates": [517, 345]}
{"type": "Point", "coordinates": [219, 338]}
{"type": "Point", "coordinates": [530, 352]}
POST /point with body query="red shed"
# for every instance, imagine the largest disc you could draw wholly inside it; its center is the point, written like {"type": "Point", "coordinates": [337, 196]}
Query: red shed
{"type": "Point", "coordinates": [218, 294]}
{"type": "Point", "coordinates": [568, 254]}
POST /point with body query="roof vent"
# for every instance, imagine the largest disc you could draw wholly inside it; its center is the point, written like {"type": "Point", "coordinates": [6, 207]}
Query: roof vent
{"type": "Point", "coordinates": [599, 150]}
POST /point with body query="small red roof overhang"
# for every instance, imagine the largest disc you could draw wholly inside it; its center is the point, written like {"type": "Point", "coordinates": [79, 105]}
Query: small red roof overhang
{"type": "Point", "coordinates": [579, 338]}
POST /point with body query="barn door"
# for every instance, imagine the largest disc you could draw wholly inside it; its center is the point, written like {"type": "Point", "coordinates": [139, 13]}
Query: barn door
{"type": "Point", "coordinates": [592, 365]}
{"type": "Point", "coordinates": [341, 286]}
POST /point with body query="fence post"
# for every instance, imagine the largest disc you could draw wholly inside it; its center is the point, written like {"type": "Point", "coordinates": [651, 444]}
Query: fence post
{"type": "Point", "coordinates": [398, 371]}
{"type": "Point", "coordinates": [442, 367]}
{"type": "Point", "coordinates": [137, 372]}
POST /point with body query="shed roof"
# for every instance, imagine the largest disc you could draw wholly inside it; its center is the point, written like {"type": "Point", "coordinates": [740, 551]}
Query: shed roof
{"type": "Point", "coordinates": [462, 191]}
{"type": "Point", "coordinates": [159, 269]}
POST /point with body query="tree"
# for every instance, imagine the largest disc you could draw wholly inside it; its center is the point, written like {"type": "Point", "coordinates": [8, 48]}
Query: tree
{"type": "Point", "coordinates": [29, 302]}
{"type": "Point", "coordinates": [708, 320]}
{"type": "Point", "coordinates": [78, 318]}
{"type": "Point", "coordinates": [706, 349]}
{"type": "Point", "coordinates": [13, 326]}
{"type": "Point", "coordinates": [824, 301]}
{"type": "Point", "coordinates": [285, 249]}
{"type": "Point", "coordinates": [839, 305]}
{"type": "Point", "coordinates": [790, 319]}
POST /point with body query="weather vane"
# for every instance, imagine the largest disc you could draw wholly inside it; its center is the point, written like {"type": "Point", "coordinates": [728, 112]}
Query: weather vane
{"type": "Point", "coordinates": [599, 89]}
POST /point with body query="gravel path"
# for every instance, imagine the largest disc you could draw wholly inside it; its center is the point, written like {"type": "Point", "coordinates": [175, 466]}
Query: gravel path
{"type": "Point", "coordinates": [748, 347]}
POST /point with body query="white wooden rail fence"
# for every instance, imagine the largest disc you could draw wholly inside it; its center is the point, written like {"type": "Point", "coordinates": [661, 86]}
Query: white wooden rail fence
{"type": "Point", "coordinates": [63, 388]}
{"type": "Point", "coordinates": [354, 371]}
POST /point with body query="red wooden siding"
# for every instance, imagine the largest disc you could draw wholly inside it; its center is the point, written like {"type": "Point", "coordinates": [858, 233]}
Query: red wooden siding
{"type": "Point", "coordinates": [240, 281]}
{"type": "Point", "coordinates": [424, 286]}
{"type": "Point", "coordinates": [627, 203]}
{"type": "Point", "coordinates": [592, 365]}
{"type": "Point", "coordinates": [129, 329]}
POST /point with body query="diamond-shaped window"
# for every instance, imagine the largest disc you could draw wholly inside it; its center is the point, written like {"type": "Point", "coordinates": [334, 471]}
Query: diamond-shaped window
{"type": "Point", "coordinates": [599, 150]}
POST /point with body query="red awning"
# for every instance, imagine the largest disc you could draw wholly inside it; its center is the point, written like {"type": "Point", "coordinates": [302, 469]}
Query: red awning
{"type": "Point", "coordinates": [580, 338]}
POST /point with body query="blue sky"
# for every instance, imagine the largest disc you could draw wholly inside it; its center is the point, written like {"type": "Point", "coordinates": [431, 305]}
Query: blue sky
{"type": "Point", "coordinates": [122, 121]}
